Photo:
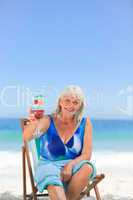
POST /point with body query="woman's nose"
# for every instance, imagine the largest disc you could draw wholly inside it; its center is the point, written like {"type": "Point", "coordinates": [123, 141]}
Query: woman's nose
{"type": "Point", "coordinates": [70, 105]}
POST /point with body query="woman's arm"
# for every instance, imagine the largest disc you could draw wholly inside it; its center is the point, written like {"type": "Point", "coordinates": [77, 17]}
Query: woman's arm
{"type": "Point", "coordinates": [40, 125]}
{"type": "Point", "coordinates": [85, 155]}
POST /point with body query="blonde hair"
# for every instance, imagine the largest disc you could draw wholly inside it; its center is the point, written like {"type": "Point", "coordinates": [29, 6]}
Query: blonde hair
{"type": "Point", "coordinates": [76, 91]}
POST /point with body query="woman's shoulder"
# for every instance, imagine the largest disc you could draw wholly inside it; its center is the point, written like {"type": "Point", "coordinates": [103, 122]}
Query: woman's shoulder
{"type": "Point", "coordinates": [88, 121]}
{"type": "Point", "coordinates": [45, 118]}
{"type": "Point", "coordinates": [45, 122]}
{"type": "Point", "coordinates": [87, 118]}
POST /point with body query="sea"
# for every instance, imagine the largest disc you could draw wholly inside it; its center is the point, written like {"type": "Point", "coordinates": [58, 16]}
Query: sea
{"type": "Point", "coordinates": [108, 135]}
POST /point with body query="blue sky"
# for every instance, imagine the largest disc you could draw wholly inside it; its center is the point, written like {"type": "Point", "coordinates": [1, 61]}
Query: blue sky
{"type": "Point", "coordinates": [51, 44]}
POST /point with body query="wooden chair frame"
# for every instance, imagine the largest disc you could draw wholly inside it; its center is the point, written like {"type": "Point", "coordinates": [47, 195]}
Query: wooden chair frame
{"type": "Point", "coordinates": [34, 195]}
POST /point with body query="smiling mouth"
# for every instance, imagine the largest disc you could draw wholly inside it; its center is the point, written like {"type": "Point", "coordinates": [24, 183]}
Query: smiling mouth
{"type": "Point", "coordinates": [69, 110]}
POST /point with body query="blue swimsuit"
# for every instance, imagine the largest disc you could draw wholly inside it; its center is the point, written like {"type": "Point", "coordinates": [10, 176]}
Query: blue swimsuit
{"type": "Point", "coordinates": [54, 155]}
{"type": "Point", "coordinates": [53, 148]}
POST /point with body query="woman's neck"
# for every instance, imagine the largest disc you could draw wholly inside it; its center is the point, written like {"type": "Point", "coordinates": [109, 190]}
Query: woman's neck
{"type": "Point", "coordinates": [66, 119]}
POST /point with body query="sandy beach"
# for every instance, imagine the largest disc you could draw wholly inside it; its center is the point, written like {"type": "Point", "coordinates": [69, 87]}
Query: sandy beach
{"type": "Point", "coordinates": [117, 166]}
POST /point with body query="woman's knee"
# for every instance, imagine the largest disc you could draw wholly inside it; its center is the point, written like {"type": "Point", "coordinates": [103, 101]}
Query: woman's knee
{"type": "Point", "coordinates": [56, 192]}
{"type": "Point", "coordinates": [88, 168]}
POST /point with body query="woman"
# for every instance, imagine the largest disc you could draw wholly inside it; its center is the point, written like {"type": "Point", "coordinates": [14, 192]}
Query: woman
{"type": "Point", "coordinates": [65, 147]}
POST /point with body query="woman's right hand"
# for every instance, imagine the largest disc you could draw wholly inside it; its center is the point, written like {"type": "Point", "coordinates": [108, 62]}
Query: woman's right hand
{"type": "Point", "coordinates": [42, 124]}
{"type": "Point", "coordinates": [32, 124]}
{"type": "Point", "coordinates": [31, 116]}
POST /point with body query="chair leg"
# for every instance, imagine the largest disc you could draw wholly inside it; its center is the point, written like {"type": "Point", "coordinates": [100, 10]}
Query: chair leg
{"type": "Point", "coordinates": [34, 197]}
{"type": "Point", "coordinates": [97, 192]}
{"type": "Point", "coordinates": [88, 194]}
{"type": "Point", "coordinates": [24, 173]}
{"type": "Point", "coordinates": [31, 176]}
{"type": "Point", "coordinates": [30, 198]}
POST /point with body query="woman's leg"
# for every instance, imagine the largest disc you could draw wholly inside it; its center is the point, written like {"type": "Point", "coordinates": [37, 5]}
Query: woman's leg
{"type": "Point", "coordinates": [78, 182]}
{"type": "Point", "coordinates": [56, 192]}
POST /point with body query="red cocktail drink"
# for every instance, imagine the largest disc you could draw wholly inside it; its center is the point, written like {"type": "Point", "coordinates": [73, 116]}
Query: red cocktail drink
{"type": "Point", "coordinates": [38, 107]}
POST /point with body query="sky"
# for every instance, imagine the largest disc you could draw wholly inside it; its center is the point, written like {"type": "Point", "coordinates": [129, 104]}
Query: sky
{"type": "Point", "coordinates": [48, 45]}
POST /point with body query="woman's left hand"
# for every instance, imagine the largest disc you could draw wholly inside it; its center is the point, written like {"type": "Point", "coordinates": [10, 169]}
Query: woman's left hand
{"type": "Point", "coordinates": [66, 172]}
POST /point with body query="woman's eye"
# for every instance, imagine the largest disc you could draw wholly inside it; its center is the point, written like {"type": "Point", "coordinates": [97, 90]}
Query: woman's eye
{"type": "Point", "coordinates": [67, 100]}
{"type": "Point", "coordinates": [75, 102]}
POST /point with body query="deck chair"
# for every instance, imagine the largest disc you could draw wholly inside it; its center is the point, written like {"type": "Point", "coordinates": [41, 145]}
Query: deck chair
{"type": "Point", "coordinates": [30, 157]}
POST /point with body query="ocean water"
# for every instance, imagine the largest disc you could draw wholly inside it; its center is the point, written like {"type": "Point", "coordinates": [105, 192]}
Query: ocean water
{"type": "Point", "coordinates": [113, 135]}
{"type": "Point", "coordinates": [108, 135]}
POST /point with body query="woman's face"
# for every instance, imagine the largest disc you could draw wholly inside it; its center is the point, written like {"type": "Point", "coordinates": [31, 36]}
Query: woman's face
{"type": "Point", "coordinates": [70, 105]}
